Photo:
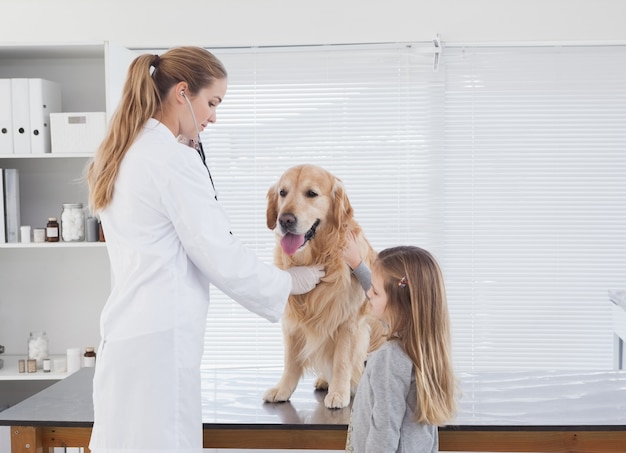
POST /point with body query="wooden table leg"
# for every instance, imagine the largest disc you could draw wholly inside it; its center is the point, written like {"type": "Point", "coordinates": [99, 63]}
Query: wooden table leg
{"type": "Point", "coordinates": [26, 439]}
{"type": "Point", "coordinates": [66, 437]}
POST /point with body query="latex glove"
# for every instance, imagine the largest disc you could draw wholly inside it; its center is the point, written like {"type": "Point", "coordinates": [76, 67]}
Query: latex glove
{"type": "Point", "coordinates": [305, 278]}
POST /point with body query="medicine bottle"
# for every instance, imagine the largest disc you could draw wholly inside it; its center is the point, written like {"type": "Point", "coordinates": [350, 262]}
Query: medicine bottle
{"type": "Point", "coordinates": [92, 233]}
{"type": "Point", "coordinates": [52, 230]}
{"type": "Point", "coordinates": [73, 222]}
{"type": "Point", "coordinates": [89, 359]}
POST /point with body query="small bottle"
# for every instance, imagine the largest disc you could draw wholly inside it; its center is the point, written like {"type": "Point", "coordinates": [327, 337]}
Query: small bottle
{"type": "Point", "coordinates": [31, 365]}
{"type": "Point", "coordinates": [46, 365]}
{"type": "Point", "coordinates": [52, 230]}
{"type": "Point", "coordinates": [101, 237]}
{"type": "Point", "coordinates": [22, 366]}
{"type": "Point", "coordinates": [93, 232]}
{"type": "Point", "coordinates": [25, 233]}
{"type": "Point", "coordinates": [89, 358]}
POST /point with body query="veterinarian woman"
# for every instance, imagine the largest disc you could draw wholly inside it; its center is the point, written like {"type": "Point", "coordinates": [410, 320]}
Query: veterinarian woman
{"type": "Point", "coordinates": [168, 238]}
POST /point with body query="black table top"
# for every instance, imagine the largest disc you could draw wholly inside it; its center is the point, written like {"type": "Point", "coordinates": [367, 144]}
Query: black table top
{"type": "Point", "coordinates": [539, 400]}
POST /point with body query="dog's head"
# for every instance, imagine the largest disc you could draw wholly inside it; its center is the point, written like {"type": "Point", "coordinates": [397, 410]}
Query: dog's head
{"type": "Point", "coordinates": [306, 200]}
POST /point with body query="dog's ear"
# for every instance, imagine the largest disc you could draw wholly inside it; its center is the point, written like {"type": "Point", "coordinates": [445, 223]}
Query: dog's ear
{"type": "Point", "coordinates": [342, 209]}
{"type": "Point", "coordinates": [272, 207]}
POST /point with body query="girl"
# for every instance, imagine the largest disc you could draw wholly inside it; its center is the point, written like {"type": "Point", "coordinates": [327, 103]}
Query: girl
{"type": "Point", "coordinates": [168, 238]}
{"type": "Point", "coordinates": [408, 387]}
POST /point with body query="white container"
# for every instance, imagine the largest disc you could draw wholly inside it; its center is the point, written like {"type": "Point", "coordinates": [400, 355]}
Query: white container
{"type": "Point", "coordinates": [59, 365]}
{"type": "Point", "coordinates": [25, 233]}
{"type": "Point", "coordinates": [73, 360]}
{"type": "Point", "coordinates": [39, 235]}
{"type": "Point", "coordinates": [80, 132]}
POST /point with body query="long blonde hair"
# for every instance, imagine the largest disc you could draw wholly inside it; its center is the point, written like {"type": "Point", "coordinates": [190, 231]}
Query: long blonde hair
{"type": "Point", "coordinates": [418, 318]}
{"type": "Point", "coordinates": [141, 100]}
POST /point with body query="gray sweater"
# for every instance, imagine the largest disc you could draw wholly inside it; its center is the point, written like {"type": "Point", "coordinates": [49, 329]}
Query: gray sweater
{"type": "Point", "coordinates": [363, 275]}
{"type": "Point", "coordinates": [385, 401]}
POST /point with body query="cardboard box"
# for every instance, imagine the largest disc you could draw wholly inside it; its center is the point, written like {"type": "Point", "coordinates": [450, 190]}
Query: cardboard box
{"type": "Point", "coordinates": [77, 132]}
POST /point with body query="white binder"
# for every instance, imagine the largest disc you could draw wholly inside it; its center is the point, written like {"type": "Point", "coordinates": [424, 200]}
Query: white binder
{"type": "Point", "coordinates": [20, 103]}
{"type": "Point", "coordinates": [12, 204]}
{"type": "Point", "coordinates": [45, 98]}
{"type": "Point", "coordinates": [3, 221]}
{"type": "Point", "coordinates": [6, 117]}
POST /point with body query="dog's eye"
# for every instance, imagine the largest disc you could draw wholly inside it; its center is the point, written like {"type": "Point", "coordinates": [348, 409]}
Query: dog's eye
{"type": "Point", "coordinates": [282, 193]}
{"type": "Point", "coordinates": [311, 194]}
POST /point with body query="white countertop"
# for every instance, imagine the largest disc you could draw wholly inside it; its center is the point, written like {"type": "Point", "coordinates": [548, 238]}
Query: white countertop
{"type": "Point", "coordinates": [10, 370]}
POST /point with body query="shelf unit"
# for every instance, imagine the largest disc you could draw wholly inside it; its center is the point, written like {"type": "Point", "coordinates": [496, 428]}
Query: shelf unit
{"type": "Point", "coordinates": [59, 287]}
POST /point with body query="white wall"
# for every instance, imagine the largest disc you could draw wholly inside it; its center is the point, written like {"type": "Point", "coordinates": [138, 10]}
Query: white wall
{"type": "Point", "coordinates": [145, 23]}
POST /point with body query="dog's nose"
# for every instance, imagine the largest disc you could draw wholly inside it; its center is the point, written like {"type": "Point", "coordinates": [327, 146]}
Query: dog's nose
{"type": "Point", "coordinates": [287, 220]}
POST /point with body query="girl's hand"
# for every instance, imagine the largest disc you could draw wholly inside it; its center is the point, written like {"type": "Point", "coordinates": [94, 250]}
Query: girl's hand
{"type": "Point", "coordinates": [351, 252]}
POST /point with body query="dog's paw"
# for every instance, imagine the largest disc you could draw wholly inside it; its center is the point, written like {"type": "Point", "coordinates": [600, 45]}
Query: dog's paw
{"type": "Point", "coordinates": [276, 395]}
{"type": "Point", "coordinates": [320, 384]}
{"type": "Point", "coordinates": [336, 400]}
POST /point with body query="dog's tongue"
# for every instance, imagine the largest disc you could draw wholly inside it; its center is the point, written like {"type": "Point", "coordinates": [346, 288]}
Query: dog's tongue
{"type": "Point", "coordinates": [291, 243]}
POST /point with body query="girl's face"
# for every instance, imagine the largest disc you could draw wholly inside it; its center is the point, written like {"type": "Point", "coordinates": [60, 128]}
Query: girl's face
{"type": "Point", "coordinates": [377, 295]}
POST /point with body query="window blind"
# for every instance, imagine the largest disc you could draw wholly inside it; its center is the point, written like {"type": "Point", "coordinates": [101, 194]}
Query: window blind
{"type": "Point", "coordinates": [507, 163]}
{"type": "Point", "coordinates": [534, 219]}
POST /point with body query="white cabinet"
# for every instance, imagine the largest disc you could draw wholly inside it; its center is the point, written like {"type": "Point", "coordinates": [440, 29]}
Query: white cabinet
{"type": "Point", "coordinates": [57, 287]}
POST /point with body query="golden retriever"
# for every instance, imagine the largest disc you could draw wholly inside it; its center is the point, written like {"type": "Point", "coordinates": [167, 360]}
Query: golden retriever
{"type": "Point", "coordinates": [327, 330]}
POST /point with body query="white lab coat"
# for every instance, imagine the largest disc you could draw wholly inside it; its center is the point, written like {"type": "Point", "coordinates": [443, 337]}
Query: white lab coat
{"type": "Point", "coordinates": [167, 239]}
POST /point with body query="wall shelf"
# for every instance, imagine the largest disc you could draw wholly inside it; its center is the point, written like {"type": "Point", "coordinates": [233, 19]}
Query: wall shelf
{"type": "Point", "coordinates": [47, 156]}
{"type": "Point", "coordinates": [52, 245]}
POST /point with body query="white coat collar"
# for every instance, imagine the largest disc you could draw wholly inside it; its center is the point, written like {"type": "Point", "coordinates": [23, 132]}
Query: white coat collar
{"type": "Point", "coordinates": [156, 125]}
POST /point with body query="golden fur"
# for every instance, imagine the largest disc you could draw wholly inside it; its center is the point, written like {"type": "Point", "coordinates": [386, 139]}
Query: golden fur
{"type": "Point", "coordinates": [326, 330]}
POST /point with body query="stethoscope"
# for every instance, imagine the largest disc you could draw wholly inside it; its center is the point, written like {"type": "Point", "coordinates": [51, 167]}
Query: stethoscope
{"type": "Point", "coordinates": [198, 143]}
{"type": "Point", "coordinates": [198, 146]}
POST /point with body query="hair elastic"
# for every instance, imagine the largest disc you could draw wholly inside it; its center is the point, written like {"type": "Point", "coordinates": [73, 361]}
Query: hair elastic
{"type": "Point", "coordinates": [155, 61]}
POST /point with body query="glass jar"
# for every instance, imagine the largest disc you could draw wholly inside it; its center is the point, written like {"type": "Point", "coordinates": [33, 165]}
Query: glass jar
{"type": "Point", "coordinates": [73, 222]}
{"type": "Point", "coordinates": [38, 347]}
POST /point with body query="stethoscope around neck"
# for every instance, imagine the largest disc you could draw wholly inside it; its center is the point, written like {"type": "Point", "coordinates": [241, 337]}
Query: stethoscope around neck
{"type": "Point", "coordinates": [198, 143]}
